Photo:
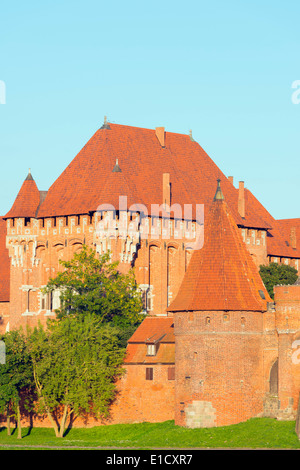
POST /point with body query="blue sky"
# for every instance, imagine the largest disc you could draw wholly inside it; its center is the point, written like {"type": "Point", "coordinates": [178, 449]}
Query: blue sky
{"type": "Point", "coordinates": [224, 69]}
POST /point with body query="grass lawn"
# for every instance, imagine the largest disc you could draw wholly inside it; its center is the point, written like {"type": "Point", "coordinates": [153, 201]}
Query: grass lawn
{"type": "Point", "coordinates": [254, 433]}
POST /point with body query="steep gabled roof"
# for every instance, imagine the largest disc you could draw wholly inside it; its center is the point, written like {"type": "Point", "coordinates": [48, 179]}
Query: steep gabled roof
{"type": "Point", "coordinates": [88, 181]}
{"type": "Point", "coordinates": [284, 227]}
{"type": "Point", "coordinates": [278, 241]}
{"type": "Point", "coordinates": [221, 275]}
{"type": "Point", "coordinates": [27, 201]}
{"type": "Point", "coordinates": [143, 160]}
{"type": "Point", "coordinates": [79, 189]}
{"type": "Point", "coordinates": [116, 186]}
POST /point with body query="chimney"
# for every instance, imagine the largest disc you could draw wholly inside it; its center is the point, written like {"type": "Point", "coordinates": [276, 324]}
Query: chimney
{"type": "Point", "coordinates": [166, 191]}
{"type": "Point", "coordinates": [241, 200]}
{"type": "Point", "coordinates": [293, 238]}
{"type": "Point", "coordinates": [230, 179]}
{"type": "Point", "coordinates": [160, 134]}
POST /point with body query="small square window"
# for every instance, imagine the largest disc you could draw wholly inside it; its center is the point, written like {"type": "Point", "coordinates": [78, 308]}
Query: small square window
{"type": "Point", "coordinates": [171, 373]}
{"type": "Point", "coordinates": [149, 373]}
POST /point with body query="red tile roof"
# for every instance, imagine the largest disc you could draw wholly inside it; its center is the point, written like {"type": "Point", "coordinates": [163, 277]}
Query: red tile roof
{"type": "Point", "coordinates": [153, 330]}
{"type": "Point", "coordinates": [88, 181]}
{"type": "Point", "coordinates": [278, 242]}
{"type": "Point", "coordinates": [221, 275]}
{"type": "Point", "coordinates": [27, 200]}
{"type": "Point", "coordinates": [142, 159]}
{"type": "Point", "coordinates": [137, 354]}
{"type": "Point", "coordinates": [283, 227]}
{"type": "Point", "coordinates": [4, 265]}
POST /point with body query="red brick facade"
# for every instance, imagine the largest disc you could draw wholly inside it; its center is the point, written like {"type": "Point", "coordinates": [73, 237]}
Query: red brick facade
{"type": "Point", "coordinates": [229, 350]}
{"type": "Point", "coordinates": [219, 367]}
{"type": "Point", "coordinates": [287, 299]}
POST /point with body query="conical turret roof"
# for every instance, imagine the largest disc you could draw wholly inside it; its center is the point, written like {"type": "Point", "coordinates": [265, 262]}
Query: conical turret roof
{"type": "Point", "coordinates": [27, 200]}
{"type": "Point", "coordinates": [221, 275]}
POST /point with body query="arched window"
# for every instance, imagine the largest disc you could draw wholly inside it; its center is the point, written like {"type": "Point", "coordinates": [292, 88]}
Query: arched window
{"type": "Point", "coordinates": [172, 273]}
{"type": "Point", "coordinates": [154, 278]}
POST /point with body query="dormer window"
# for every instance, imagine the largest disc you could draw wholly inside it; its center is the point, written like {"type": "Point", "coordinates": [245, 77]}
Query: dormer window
{"type": "Point", "coordinates": [151, 349]}
{"type": "Point", "coordinates": [153, 344]}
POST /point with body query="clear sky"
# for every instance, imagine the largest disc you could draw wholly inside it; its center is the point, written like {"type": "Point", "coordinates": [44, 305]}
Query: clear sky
{"type": "Point", "coordinates": [224, 69]}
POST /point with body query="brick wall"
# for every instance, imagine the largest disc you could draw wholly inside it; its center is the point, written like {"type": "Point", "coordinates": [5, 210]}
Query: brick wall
{"type": "Point", "coordinates": [137, 400]}
{"type": "Point", "coordinates": [219, 367]}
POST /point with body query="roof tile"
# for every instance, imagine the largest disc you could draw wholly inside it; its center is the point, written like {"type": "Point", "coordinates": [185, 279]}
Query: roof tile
{"type": "Point", "coordinates": [27, 201]}
{"type": "Point", "coordinates": [221, 275]}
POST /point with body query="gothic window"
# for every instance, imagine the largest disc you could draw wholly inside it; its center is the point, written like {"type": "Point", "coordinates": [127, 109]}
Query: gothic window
{"type": "Point", "coordinates": [56, 300]}
{"type": "Point", "coordinates": [154, 276]}
{"type": "Point", "coordinates": [50, 301]}
{"type": "Point", "coordinates": [146, 297]}
{"type": "Point", "coordinates": [172, 273]}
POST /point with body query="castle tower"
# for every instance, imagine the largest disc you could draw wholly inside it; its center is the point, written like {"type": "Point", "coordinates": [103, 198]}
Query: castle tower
{"type": "Point", "coordinates": [218, 325]}
{"type": "Point", "coordinates": [21, 243]}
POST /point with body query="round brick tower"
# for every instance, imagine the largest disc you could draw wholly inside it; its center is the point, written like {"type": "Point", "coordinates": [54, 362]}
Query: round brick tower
{"type": "Point", "coordinates": [218, 325]}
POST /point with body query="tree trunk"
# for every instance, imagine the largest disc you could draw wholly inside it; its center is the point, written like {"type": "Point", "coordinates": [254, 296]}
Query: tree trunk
{"type": "Point", "coordinates": [39, 391]}
{"type": "Point", "coordinates": [19, 422]}
{"type": "Point", "coordinates": [8, 422]}
{"type": "Point", "coordinates": [53, 423]}
{"type": "Point", "coordinates": [63, 421]}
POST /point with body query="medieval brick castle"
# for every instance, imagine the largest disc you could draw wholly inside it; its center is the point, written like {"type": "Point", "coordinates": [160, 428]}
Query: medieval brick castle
{"type": "Point", "coordinates": [213, 348]}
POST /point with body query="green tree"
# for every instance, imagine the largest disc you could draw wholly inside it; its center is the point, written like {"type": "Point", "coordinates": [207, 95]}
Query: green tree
{"type": "Point", "coordinates": [276, 274]}
{"type": "Point", "coordinates": [91, 284]}
{"type": "Point", "coordinates": [16, 377]}
{"type": "Point", "coordinates": [76, 361]}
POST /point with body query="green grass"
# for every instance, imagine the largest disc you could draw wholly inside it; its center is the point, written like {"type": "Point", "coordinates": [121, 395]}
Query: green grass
{"type": "Point", "coordinates": [254, 433]}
